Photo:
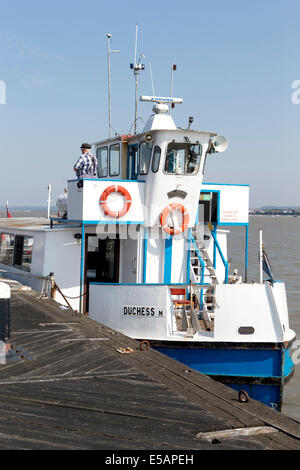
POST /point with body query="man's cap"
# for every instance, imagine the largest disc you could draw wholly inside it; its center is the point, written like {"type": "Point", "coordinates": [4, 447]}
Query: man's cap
{"type": "Point", "coordinates": [86, 146]}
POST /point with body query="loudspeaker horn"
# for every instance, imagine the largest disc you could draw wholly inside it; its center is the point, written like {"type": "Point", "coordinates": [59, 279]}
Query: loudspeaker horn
{"type": "Point", "coordinates": [220, 143]}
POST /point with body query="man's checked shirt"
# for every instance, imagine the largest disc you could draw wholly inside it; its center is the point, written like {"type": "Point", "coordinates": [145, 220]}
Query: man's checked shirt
{"type": "Point", "coordinates": [86, 165]}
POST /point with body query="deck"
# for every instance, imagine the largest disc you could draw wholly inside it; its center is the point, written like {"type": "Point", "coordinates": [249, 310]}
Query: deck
{"type": "Point", "coordinates": [75, 387]}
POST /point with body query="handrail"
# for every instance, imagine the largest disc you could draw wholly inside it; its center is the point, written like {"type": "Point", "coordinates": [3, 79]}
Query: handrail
{"type": "Point", "coordinates": [200, 259]}
{"type": "Point", "coordinates": [106, 180]}
{"type": "Point", "coordinates": [220, 253]}
{"type": "Point", "coordinates": [203, 269]}
{"type": "Point", "coordinates": [22, 273]}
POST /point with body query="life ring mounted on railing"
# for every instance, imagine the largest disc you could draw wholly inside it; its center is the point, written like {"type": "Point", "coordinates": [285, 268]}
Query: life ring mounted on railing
{"type": "Point", "coordinates": [185, 219]}
{"type": "Point", "coordinates": [127, 201]}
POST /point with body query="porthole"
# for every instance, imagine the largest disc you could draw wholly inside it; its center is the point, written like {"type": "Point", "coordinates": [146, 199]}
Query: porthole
{"type": "Point", "coordinates": [246, 330]}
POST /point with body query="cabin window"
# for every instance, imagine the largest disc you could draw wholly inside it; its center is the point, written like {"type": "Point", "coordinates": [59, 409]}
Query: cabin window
{"type": "Point", "coordinates": [102, 157]}
{"type": "Point", "coordinates": [23, 252]}
{"type": "Point", "coordinates": [145, 157]}
{"type": "Point", "coordinates": [114, 160]}
{"type": "Point", "coordinates": [183, 158]}
{"type": "Point", "coordinates": [156, 159]}
{"type": "Point", "coordinates": [7, 248]}
{"type": "Point", "coordinates": [132, 166]}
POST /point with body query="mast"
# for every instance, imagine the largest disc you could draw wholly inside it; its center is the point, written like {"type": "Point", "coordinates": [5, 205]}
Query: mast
{"type": "Point", "coordinates": [136, 67]}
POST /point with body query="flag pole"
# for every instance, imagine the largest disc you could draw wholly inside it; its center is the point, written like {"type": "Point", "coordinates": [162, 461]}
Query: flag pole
{"type": "Point", "coordinates": [260, 256]}
{"type": "Point", "coordinates": [8, 214]}
{"type": "Point", "coordinates": [49, 201]}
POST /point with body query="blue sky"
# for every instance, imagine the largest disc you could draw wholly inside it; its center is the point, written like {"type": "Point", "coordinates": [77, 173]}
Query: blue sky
{"type": "Point", "coordinates": [236, 61]}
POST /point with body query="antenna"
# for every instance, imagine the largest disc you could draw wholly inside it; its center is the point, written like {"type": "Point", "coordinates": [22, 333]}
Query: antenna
{"type": "Point", "coordinates": [135, 44]}
{"type": "Point", "coordinates": [136, 67]}
{"type": "Point", "coordinates": [173, 68]}
{"type": "Point", "coordinates": [150, 67]}
{"type": "Point", "coordinates": [109, 51]}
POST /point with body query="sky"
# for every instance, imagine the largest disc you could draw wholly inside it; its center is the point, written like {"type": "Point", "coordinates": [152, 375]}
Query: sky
{"type": "Point", "coordinates": [236, 63]}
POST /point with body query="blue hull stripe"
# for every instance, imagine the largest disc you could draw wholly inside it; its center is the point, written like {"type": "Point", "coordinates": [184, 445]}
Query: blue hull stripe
{"type": "Point", "coordinates": [241, 362]}
{"type": "Point", "coordinates": [244, 364]}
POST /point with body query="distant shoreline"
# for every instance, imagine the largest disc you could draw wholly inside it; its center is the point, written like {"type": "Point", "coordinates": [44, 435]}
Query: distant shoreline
{"type": "Point", "coordinates": [27, 208]}
{"type": "Point", "coordinates": [36, 209]}
{"type": "Point", "coordinates": [293, 212]}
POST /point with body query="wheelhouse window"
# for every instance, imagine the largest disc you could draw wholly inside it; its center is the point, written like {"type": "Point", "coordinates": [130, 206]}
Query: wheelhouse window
{"type": "Point", "coordinates": [183, 158]}
{"type": "Point", "coordinates": [114, 160]}
{"type": "Point", "coordinates": [102, 157]}
{"type": "Point", "coordinates": [132, 168]}
{"type": "Point", "coordinates": [156, 159]}
{"type": "Point", "coordinates": [23, 252]}
{"type": "Point", "coordinates": [7, 248]}
{"type": "Point", "coordinates": [145, 157]}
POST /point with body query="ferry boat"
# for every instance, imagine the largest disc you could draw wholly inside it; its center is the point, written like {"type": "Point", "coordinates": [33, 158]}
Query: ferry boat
{"type": "Point", "coordinates": [143, 250]}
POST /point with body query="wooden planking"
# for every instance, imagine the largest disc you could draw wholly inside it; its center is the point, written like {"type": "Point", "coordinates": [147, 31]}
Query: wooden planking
{"type": "Point", "coordinates": [253, 413]}
{"type": "Point", "coordinates": [175, 375]}
{"type": "Point", "coordinates": [190, 417]}
{"type": "Point", "coordinates": [84, 394]}
{"type": "Point", "coordinates": [279, 442]}
{"type": "Point", "coordinates": [78, 428]}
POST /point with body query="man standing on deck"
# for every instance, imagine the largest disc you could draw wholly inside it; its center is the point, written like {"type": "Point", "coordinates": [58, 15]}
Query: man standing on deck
{"type": "Point", "coordinates": [86, 166]}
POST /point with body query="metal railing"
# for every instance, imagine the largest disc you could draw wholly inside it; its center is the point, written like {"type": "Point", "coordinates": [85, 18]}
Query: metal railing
{"type": "Point", "coordinates": [220, 253]}
{"type": "Point", "coordinates": [200, 259]}
{"type": "Point", "coordinates": [202, 270]}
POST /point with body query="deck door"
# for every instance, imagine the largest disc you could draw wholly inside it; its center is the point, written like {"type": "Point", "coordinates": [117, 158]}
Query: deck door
{"type": "Point", "coordinates": [101, 262]}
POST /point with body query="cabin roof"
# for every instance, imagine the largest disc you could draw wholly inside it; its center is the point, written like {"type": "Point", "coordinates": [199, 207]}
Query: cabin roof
{"type": "Point", "coordinates": [30, 223]}
{"type": "Point", "coordinates": [128, 137]}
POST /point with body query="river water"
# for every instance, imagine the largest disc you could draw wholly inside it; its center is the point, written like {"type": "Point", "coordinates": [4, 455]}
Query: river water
{"type": "Point", "coordinates": [281, 237]}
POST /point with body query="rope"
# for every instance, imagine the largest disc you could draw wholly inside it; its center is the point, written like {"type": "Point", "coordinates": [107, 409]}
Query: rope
{"type": "Point", "coordinates": [69, 297]}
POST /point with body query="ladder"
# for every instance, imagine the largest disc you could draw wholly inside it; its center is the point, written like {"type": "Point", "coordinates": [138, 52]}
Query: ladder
{"type": "Point", "coordinates": [207, 295]}
{"type": "Point", "coordinates": [209, 270]}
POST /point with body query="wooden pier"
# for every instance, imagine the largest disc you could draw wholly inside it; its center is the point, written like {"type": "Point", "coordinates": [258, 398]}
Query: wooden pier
{"type": "Point", "coordinates": [75, 384]}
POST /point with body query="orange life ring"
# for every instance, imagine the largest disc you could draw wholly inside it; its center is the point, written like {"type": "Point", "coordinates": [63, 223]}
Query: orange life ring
{"type": "Point", "coordinates": [185, 219]}
{"type": "Point", "coordinates": [115, 189]}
